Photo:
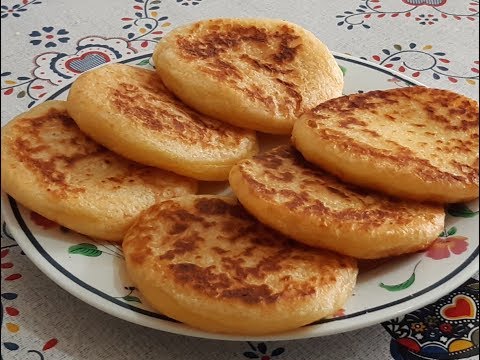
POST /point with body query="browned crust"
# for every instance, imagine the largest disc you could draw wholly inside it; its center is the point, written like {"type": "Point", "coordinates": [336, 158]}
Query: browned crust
{"type": "Point", "coordinates": [403, 157]}
{"type": "Point", "coordinates": [35, 153]}
{"type": "Point", "coordinates": [461, 116]}
{"type": "Point", "coordinates": [280, 48]}
{"type": "Point", "coordinates": [222, 38]}
{"type": "Point", "coordinates": [147, 102]}
{"type": "Point", "coordinates": [286, 166]}
{"type": "Point", "coordinates": [243, 255]}
{"type": "Point", "coordinates": [51, 146]}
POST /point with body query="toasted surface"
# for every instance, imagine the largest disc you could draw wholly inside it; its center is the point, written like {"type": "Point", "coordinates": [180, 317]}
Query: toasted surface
{"type": "Point", "coordinates": [291, 195]}
{"type": "Point", "coordinates": [259, 74]}
{"type": "Point", "coordinates": [128, 110]}
{"type": "Point", "coordinates": [416, 143]}
{"type": "Point", "coordinates": [205, 261]}
{"type": "Point", "coordinates": [51, 167]}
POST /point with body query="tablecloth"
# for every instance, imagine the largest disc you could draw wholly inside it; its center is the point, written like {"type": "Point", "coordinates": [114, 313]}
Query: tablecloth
{"type": "Point", "coordinates": [433, 41]}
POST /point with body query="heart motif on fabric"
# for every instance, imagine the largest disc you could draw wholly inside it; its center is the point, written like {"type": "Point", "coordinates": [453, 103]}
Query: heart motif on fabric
{"type": "Point", "coordinates": [87, 61]}
{"type": "Point", "coordinates": [461, 307]}
{"type": "Point", "coordinates": [425, 2]}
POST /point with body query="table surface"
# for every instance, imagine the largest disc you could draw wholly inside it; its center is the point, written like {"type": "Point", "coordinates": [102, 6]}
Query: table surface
{"type": "Point", "coordinates": [436, 42]}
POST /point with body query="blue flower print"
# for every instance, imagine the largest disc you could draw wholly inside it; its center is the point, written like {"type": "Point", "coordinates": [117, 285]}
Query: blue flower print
{"type": "Point", "coordinates": [49, 37]}
{"type": "Point", "coordinates": [189, 2]}
{"type": "Point", "coordinates": [16, 9]}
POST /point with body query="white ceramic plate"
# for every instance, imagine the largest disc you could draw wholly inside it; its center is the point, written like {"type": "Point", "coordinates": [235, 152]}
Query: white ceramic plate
{"type": "Point", "coordinates": [94, 272]}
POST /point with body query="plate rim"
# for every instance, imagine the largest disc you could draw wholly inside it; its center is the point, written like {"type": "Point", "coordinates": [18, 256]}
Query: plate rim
{"type": "Point", "coordinates": [36, 253]}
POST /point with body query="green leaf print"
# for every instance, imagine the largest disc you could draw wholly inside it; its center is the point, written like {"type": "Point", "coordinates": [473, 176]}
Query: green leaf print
{"type": "Point", "coordinates": [461, 210]}
{"type": "Point", "coordinates": [452, 231]}
{"type": "Point", "coordinates": [402, 286]}
{"type": "Point", "coordinates": [143, 62]}
{"type": "Point", "coordinates": [131, 298]}
{"type": "Point", "coordinates": [442, 234]}
{"type": "Point", "coordinates": [85, 249]}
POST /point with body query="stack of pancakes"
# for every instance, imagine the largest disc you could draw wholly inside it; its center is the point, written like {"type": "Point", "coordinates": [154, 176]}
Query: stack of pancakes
{"type": "Point", "coordinates": [365, 176]}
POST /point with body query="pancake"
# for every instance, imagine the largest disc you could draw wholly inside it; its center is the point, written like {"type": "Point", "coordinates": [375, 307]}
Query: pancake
{"type": "Point", "coordinates": [259, 74]}
{"type": "Point", "coordinates": [205, 261]}
{"type": "Point", "coordinates": [415, 142]}
{"type": "Point", "coordinates": [302, 201]}
{"type": "Point", "coordinates": [52, 168]}
{"type": "Point", "coordinates": [128, 110]}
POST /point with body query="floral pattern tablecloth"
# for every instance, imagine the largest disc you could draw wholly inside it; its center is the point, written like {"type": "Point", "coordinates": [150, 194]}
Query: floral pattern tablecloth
{"type": "Point", "coordinates": [45, 43]}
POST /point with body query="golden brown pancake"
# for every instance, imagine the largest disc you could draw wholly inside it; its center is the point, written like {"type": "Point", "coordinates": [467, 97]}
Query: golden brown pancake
{"type": "Point", "coordinates": [415, 143]}
{"type": "Point", "coordinates": [52, 168]}
{"type": "Point", "coordinates": [259, 74]}
{"type": "Point", "coordinates": [205, 261]}
{"type": "Point", "coordinates": [128, 110]}
{"type": "Point", "coordinates": [289, 194]}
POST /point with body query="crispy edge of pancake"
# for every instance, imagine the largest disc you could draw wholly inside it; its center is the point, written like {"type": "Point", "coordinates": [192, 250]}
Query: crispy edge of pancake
{"type": "Point", "coordinates": [97, 125]}
{"type": "Point", "coordinates": [235, 317]}
{"type": "Point", "coordinates": [351, 162]}
{"type": "Point", "coordinates": [251, 115]}
{"type": "Point", "coordinates": [47, 204]}
{"type": "Point", "coordinates": [336, 235]}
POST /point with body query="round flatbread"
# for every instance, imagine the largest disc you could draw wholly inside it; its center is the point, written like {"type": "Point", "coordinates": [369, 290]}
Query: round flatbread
{"type": "Point", "coordinates": [258, 74]}
{"type": "Point", "coordinates": [415, 142]}
{"type": "Point", "coordinates": [289, 194]}
{"type": "Point", "coordinates": [52, 168]}
{"type": "Point", "coordinates": [205, 261]}
{"type": "Point", "coordinates": [128, 110]}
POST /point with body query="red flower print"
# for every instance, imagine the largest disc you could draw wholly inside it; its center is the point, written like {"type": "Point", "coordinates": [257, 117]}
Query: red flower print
{"type": "Point", "coordinates": [446, 244]}
{"type": "Point", "coordinates": [445, 328]}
